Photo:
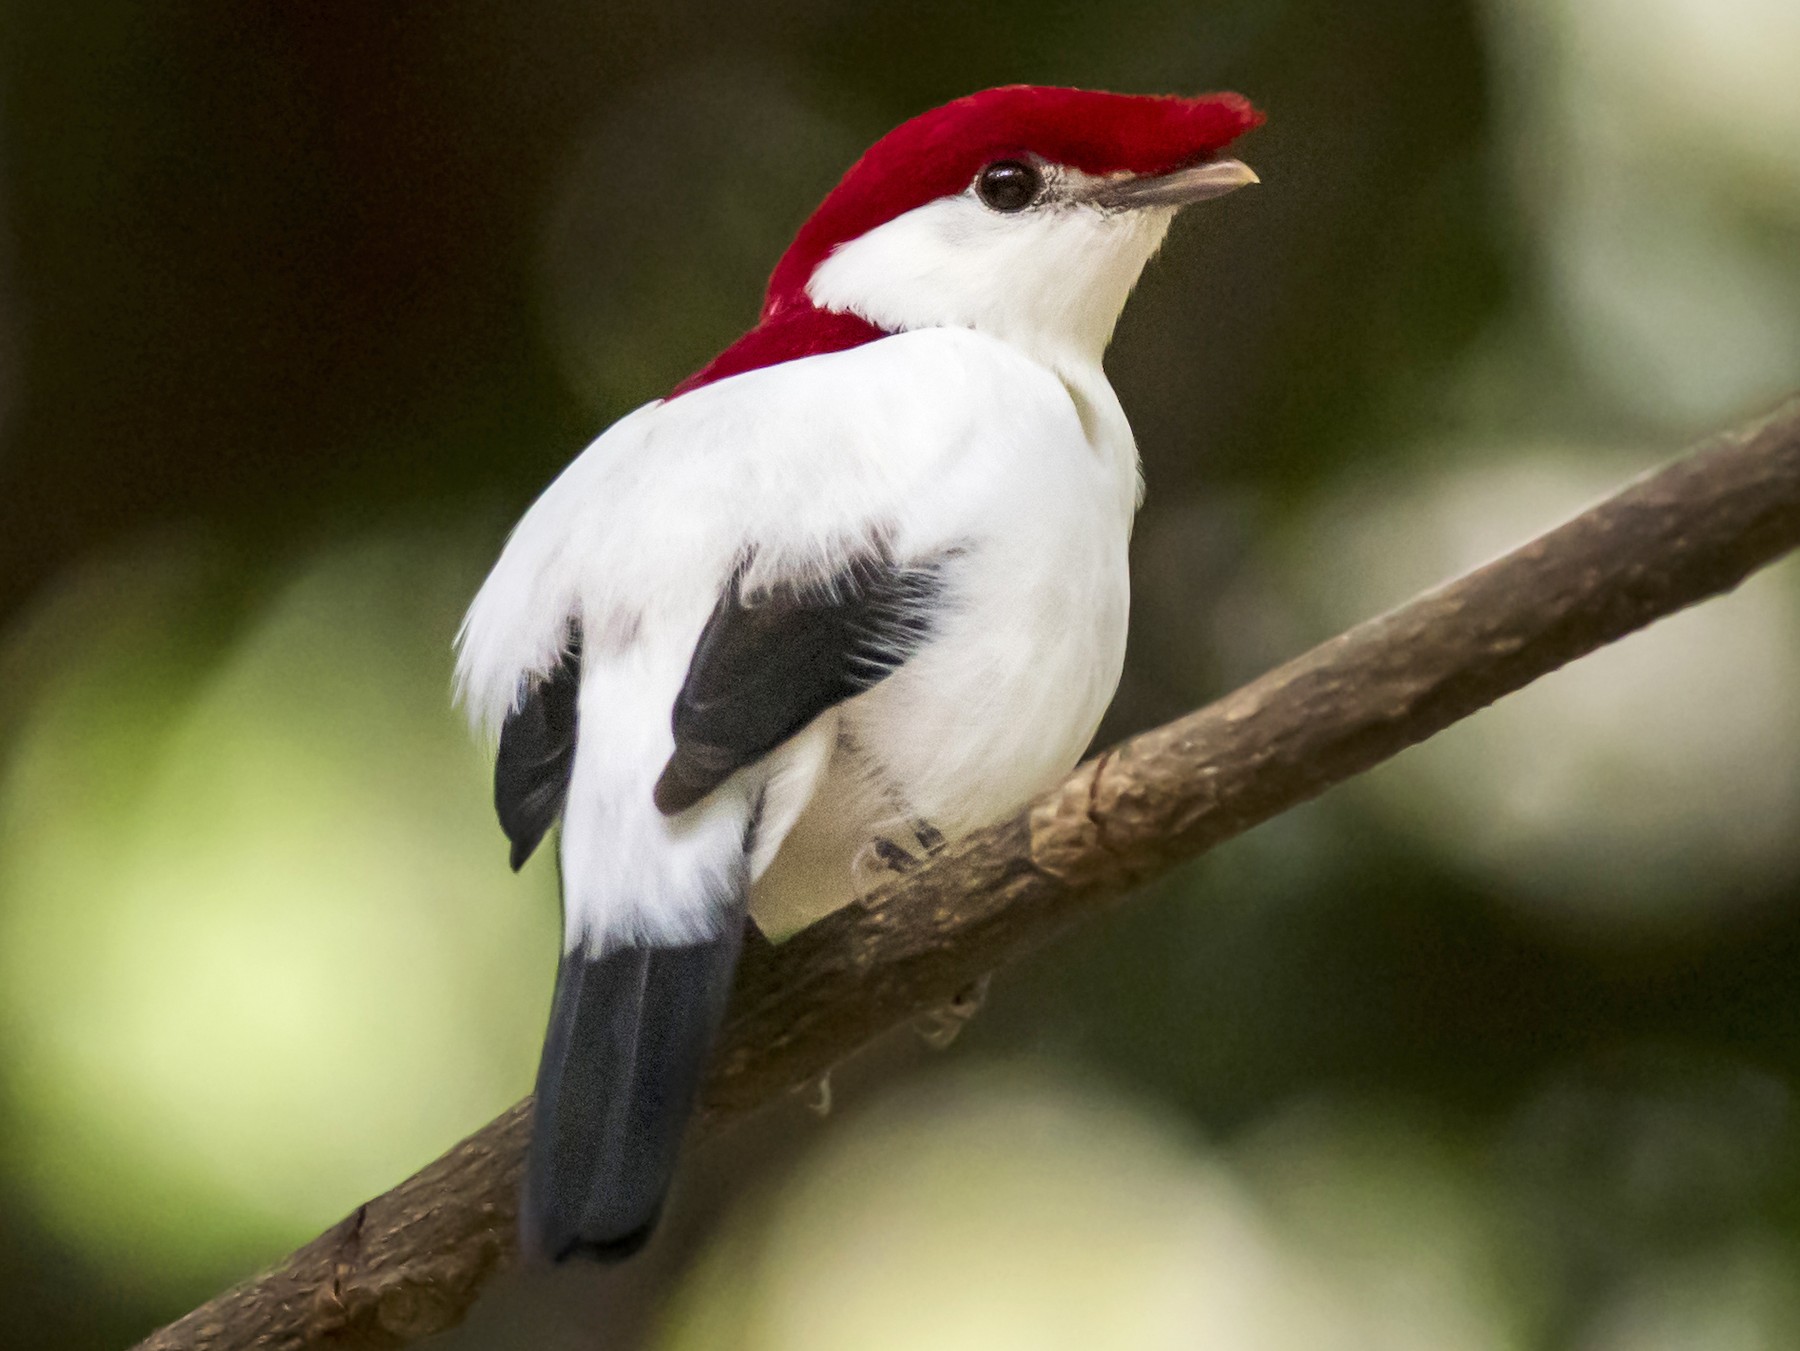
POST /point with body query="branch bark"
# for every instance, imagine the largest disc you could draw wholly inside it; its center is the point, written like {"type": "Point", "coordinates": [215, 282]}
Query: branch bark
{"type": "Point", "coordinates": [411, 1262]}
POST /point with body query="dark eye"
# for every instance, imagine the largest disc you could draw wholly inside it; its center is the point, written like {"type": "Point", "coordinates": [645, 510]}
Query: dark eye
{"type": "Point", "coordinates": [1009, 185]}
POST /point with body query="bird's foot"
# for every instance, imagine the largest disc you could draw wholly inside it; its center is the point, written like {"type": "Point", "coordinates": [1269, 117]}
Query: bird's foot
{"type": "Point", "coordinates": [895, 858]}
{"type": "Point", "coordinates": [877, 863]}
{"type": "Point", "coordinates": [938, 1027]}
{"type": "Point", "coordinates": [930, 838]}
{"type": "Point", "coordinates": [881, 860]}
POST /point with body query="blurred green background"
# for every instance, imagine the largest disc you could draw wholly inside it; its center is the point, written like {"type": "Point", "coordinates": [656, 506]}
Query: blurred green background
{"type": "Point", "coordinates": [301, 305]}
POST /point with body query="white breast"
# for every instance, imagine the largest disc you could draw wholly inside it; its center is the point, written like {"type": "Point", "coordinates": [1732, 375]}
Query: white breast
{"type": "Point", "coordinates": [937, 442]}
{"type": "Point", "coordinates": [1024, 662]}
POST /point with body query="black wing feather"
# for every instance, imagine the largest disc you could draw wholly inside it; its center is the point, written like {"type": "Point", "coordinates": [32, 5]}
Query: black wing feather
{"type": "Point", "coordinates": [537, 754]}
{"type": "Point", "coordinates": [767, 665]}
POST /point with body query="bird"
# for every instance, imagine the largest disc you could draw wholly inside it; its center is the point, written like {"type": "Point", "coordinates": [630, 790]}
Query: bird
{"type": "Point", "coordinates": [854, 589]}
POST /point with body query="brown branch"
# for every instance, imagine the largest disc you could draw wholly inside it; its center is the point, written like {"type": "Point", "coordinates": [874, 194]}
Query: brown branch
{"type": "Point", "coordinates": [411, 1261]}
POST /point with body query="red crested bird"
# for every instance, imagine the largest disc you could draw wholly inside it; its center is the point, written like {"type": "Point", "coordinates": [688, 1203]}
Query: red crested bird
{"type": "Point", "coordinates": [855, 588]}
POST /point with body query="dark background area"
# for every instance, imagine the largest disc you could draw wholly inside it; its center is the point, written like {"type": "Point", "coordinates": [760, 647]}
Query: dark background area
{"type": "Point", "coordinates": [299, 308]}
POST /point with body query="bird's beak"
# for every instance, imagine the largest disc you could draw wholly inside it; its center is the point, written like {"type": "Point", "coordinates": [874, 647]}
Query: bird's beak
{"type": "Point", "coordinates": [1181, 187]}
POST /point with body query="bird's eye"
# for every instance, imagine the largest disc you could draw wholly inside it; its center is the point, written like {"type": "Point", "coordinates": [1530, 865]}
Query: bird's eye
{"type": "Point", "coordinates": [1009, 185]}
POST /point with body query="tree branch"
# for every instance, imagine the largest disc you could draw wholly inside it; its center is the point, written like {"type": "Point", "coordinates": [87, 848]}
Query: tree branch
{"type": "Point", "coordinates": [411, 1261]}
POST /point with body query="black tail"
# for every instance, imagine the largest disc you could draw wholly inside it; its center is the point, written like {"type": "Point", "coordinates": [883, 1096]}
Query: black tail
{"type": "Point", "coordinates": [630, 1032]}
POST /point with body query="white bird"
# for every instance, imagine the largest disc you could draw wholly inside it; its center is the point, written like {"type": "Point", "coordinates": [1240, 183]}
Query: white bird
{"type": "Point", "coordinates": [856, 588]}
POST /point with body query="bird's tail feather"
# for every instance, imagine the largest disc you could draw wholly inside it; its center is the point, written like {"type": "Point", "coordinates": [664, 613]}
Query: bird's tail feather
{"type": "Point", "coordinates": [630, 1033]}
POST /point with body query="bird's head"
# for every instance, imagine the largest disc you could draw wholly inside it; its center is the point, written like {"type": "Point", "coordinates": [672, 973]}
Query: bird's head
{"type": "Point", "coordinates": [1024, 212]}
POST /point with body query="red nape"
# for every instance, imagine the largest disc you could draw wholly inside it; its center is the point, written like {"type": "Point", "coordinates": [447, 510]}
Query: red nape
{"type": "Point", "coordinates": [806, 332]}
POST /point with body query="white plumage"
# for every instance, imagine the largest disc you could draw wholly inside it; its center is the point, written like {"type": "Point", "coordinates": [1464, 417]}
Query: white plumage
{"type": "Point", "coordinates": [828, 608]}
{"type": "Point", "coordinates": [931, 441]}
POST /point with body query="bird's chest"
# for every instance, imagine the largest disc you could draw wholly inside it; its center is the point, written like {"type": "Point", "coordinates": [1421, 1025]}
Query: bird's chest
{"type": "Point", "coordinates": [1010, 693]}
{"type": "Point", "coordinates": [1027, 651]}
{"type": "Point", "coordinates": [993, 711]}
{"type": "Point", "coordinates": [1026, 646]}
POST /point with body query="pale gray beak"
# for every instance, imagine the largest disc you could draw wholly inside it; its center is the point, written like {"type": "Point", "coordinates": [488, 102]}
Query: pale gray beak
{"type": "Point", "coordinates": [1196, 183]}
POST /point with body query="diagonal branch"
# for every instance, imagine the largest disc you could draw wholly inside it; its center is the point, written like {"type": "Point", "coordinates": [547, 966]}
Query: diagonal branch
{"type": "Point", "coordinates": [411, 1261]}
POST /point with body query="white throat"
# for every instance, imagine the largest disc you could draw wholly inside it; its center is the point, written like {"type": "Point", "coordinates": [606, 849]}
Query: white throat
{"type": "Point", "coordinates": [1051, 280]}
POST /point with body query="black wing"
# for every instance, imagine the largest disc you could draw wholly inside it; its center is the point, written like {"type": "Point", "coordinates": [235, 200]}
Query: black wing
{"type": "Point", "coordinates": [767, 665]}
{"type": "Point", "coordinates": [537, 753]}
